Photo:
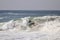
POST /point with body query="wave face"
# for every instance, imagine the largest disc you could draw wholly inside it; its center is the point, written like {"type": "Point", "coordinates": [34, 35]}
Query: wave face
{"type": "Point", "coordinates": [29, 24]}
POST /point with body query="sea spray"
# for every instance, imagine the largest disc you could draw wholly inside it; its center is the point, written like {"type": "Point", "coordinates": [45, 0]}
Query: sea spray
{"type": "Point", "coordinates": [8, 25]}
{"type": "Point", "coordinates": [42, 24]}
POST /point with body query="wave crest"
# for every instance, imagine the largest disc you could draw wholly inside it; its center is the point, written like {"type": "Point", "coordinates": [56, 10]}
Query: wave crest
{"type": "Point", "coordinates": [33, 24]}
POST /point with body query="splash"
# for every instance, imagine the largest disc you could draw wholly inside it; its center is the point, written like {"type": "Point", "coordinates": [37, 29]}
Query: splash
{"type": "Point", "coordinates": [29, 24]}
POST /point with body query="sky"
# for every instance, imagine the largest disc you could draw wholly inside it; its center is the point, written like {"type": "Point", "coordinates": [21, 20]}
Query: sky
{"type": "Point", "coordinates": [29, 4]}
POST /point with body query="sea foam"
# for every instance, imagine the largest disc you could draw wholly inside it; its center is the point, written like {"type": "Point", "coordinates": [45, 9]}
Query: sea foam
{"type": "Point", "coordinates": [42, 24]}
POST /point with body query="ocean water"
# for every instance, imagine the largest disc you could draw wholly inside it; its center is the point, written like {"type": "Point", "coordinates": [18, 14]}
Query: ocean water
{"type": "Point", "coordinates": [6, 15]}
{"type": "Point", "coordinates": [15, 18]}
{"type": "Point", "coordinates": [29, 25]}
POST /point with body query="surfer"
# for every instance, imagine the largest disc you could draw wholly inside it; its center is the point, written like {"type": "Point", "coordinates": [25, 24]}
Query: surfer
{"type": "Point", "coordinates": [30, 23]}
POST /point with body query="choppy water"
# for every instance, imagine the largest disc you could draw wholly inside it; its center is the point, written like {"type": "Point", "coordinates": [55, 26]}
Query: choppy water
{"type": "Point", "coordinates": [45, 28]}
{"type": "Point", "coordinates": [43, 25]}
{"type": "Point", "coordinates": [11, 18]}
{"type": "Point", "coordinates": [35, 24]}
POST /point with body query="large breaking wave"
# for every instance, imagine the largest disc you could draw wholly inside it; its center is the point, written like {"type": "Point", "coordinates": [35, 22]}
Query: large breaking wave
{"type": "Point", "coordinates": [29, 24]}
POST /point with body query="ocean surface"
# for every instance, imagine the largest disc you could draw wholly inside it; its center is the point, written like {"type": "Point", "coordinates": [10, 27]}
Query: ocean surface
{"type": "Point", "coordinates": [29, 25]}
{"type": "Point", "coordinates": [6, 15]}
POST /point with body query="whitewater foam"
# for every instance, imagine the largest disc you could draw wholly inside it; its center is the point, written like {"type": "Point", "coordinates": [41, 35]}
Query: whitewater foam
{"type": "Point", "coordinates": [41, 24]}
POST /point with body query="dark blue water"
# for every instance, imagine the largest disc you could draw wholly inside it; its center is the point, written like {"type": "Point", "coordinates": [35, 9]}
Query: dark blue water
{"type": "Point", "coordinates": [6, 15]}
